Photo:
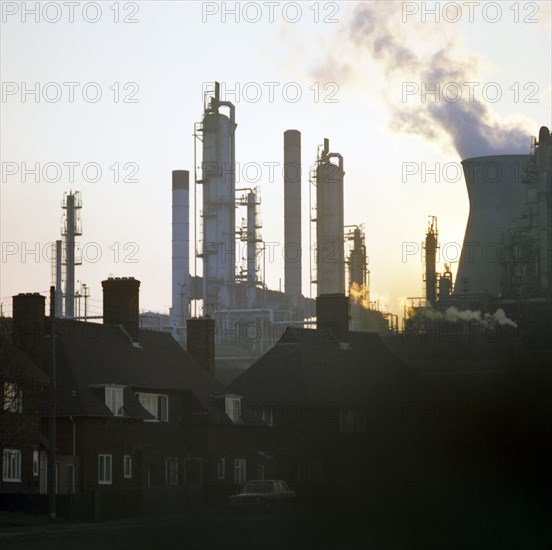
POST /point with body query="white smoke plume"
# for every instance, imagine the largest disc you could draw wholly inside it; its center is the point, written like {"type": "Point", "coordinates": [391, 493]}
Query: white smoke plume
{"type": "Point", "coordinates": [424, 53]}
{"type": "Point", "coordinates": [453, 314]}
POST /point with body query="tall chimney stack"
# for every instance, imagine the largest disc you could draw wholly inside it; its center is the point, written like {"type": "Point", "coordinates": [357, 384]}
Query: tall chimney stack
{"type": "Point", "coordinates": [292, 212]}
{"type": "Point", "coordinates": [201, 342]}
{"type": "Point", "coordinates": [180, 246]}
{"type": "Point", "coordinates": [121, 304]}
{"type": "Point", "coordinates": [29, 325]}
{"type": "Point", "coordinates": [332, 312]}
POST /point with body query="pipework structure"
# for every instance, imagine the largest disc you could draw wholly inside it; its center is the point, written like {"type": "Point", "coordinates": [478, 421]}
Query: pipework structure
{"type": "Point", "coordinates": [250, 234]}
{"type": "Point", "coordinates": [72, 204]}
{"type": "Point", "coordinates": [217, 178]}
{"type": "Point", "coordinates": [357, 261]}
{"type": "Point", "coordinates": [526, 255]}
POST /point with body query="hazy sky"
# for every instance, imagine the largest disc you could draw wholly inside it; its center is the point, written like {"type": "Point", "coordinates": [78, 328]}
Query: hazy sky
{"type": "Point", "coordinates": [359, 67]}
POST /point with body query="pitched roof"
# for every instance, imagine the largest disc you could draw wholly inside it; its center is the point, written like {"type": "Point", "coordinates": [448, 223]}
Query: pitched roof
{"type": "Point", "coordinates": [309, 366]}
{"type": "Point", "coordinates": [15, 364]}
{"type": "Point", "coordinates": [92, 354]}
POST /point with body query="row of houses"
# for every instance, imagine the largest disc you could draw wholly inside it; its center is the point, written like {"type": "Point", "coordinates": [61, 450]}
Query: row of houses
{"type": "Point", "coordinates": [143, 425]}
{"type": "Point", "coordinates": [136, 412]}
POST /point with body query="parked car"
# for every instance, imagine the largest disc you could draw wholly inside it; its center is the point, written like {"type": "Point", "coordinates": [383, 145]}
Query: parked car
{"type": "Point", "coordinates": [268, 493]}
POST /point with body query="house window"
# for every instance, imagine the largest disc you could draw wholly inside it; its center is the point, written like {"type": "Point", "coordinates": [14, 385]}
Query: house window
{"type": "Point", "coordinates": [12, 397]}
{"type": "Point", "coordinates": [127, 466]}
{"type": "Point", "coordinates": [352, 420]}
{"type": "Point", "coordinates": [104, 469]}
{"type": "Point", "coordinates": [71, 479]}
{"type": "Point", "coordinates": [232, 408]}
{"type": "Point", "coordinates": [267, 415]}
{"type": "Point", "coordinates": [221, 468]}
{"type": "Point", "coordinates": [156, 404]}
{"type": "Point", "coordinates": [171, 471]}
{"type": "Point", "coordinates": [11, 465]}
{"type": "Point", "coordinates": [260, 471]}
{"type": "Point", "coordinates": [114, 400]}
{"type": "Point", "coordinates": [35, 463]}
{"type": "Point", "coordinates": [239, 471]}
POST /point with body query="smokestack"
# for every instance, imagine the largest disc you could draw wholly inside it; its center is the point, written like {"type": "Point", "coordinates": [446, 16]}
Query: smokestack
{"type": "Point", "coordinates": [180, 246]}
{"type": "Point", "coordinates": [59, 294]}
{"type": "Point", "coordinates": [29, 325]}
{"type": "Point", "coordinates": [330, 255]}
{"type": "Point", "coordinates": [332, 312]}
{"type": "Point", "coordinates": [292, 212]}
{"type": "Point", "coordinates": [120, 304]}
{"type": "Point", "coordinates": [201, 342]}
{"type": "Point", "coordinates": [497, 197]}
{"type": "Point", "coordinates": [430, 261]}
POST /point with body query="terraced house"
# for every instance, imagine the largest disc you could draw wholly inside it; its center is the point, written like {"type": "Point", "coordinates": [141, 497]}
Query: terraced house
{"type": "Point", "coordinates": [141, 424]}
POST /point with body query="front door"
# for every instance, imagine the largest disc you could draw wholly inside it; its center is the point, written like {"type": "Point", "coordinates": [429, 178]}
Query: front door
{"type": "Point", "coordinates": [43, 472]}
{"type": "Point", "coordinates": [193, 479]}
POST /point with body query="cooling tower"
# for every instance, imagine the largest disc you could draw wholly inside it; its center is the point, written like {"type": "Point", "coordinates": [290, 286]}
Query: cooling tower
{"type": "Point", "coordinates": [497, 196]}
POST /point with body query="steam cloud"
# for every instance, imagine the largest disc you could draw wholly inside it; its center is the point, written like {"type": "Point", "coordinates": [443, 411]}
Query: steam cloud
{"type": "Point", "coordinates": [377, 29]}
{"type": "Point", "coordinates": [359, 295]}
{"type": "Point", "coordinates": [453, 314]}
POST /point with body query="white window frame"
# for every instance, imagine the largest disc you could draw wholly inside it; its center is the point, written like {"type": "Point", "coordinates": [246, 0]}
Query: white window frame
{"type": "Point", "coordinates": [356, 424]}
{"type": "Point", "coordinates": [12, 397]}
{"type": "Point", "coordinates": [157, 404]}
{"type": "Point", "coordinates": [11, 465]}
{"type": "Point", "coordinates": [36, 459]}
{"type": "Point", "coordinates": [232, 408]}
{"type": "Point", "coordinates": [127, 467]}
{"type": "Point", "coordinates": [240, 471]}
{"type": "Point", "coordinates": [221, 468]}
{"type": "Point", "coordinates": [107, 460]}
{"type": "Point", "coordinates": [171, 470]}
{"type": "Point", "coordinates": [267, 415]}
{"type": "Point", "coordinates": [114, 400]}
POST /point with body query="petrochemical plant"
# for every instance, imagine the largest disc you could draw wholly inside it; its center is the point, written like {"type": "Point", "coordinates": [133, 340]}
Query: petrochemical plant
{"type": "Point", "coordinates": [503, 276]}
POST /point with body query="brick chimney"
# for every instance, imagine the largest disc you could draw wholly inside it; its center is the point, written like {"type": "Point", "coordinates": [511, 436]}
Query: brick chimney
{"type": "Point", "coordinates": [332, 312]}
{"type": "Point", "coordinates": [201, 342]}
{"type": "Point", "coordinates": [29, 325]}
{"type": "Point", "coordinates": [120, 304]}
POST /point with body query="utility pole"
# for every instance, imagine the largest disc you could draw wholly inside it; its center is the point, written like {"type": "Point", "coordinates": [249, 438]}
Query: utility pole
{"type": "Point", "coordinates": [52, 419]}
{"type": "Point", "coordinates": [86, 294]}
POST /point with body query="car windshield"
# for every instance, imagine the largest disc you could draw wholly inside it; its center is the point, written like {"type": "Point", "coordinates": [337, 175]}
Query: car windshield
{"type": "Point", "coordinates": [258, 487]}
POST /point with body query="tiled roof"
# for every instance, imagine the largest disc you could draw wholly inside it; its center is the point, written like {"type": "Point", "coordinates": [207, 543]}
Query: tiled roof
{"type": "Point", "coordinates": [313, 367]}
{"type": "Point", "coordinates": [91, 355]}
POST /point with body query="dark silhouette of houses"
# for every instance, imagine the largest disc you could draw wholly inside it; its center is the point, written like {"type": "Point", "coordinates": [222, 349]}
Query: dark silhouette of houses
{"type": "Point", "coordinates": [142, 426]}
{"type": "Point", "coordinates": [338, 411]}
{"type": "Point", "coordinates": [22, 385]}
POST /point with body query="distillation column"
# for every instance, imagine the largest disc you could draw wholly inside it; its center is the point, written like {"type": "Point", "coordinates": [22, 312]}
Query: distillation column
{"type": "Point", "coordinates": [330, 255]}
{"type": "Point", "coordinates": [219, 177]}
{"type": "Point", "coordinates": [430, 262]}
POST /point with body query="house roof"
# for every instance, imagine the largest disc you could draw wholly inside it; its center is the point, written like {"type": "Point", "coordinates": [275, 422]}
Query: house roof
{"type": "Point", "coordinates": [14, 364]}
{"type": "Point", "coordinates": [312, 367]}
{"type": "Point", "coordinates": [92, 355]}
